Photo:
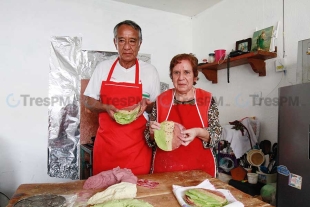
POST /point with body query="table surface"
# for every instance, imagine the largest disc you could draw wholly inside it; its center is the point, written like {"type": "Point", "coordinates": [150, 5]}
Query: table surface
{"type": "Point", "coordinates": [160, 196]}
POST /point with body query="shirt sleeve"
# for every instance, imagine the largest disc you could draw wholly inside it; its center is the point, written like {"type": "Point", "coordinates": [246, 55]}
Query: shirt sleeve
{"type": "Point", "coordinates": [94, 85]}
{"type": "Point", "coordinates": [214, 128]}
{"type": "Point", "coordinates": [156, 86]}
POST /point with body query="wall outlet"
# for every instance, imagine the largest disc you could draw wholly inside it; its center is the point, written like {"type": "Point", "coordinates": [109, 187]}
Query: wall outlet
{"type": "Point", "coordinates": [280, 64]}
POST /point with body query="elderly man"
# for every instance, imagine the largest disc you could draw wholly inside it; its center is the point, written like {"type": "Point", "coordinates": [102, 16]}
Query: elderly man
{"type": "Point", "coordinates": [116, 84]}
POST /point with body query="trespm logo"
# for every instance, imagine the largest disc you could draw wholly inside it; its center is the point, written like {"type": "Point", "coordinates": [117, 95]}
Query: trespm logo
{"type": "Point", "coordinates": [27, 100]}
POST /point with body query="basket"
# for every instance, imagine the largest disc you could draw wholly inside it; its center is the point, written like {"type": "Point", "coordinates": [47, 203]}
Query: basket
{"type": "Point", "coordinates": [255, 157]}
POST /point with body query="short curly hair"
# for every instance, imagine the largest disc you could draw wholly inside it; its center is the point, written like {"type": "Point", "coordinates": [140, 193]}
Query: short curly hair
{"type": "Point", "coordinates": [191, 58]}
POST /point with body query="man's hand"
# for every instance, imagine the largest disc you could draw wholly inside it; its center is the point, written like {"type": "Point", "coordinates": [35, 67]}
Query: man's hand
{"type": "Point", "coordinates": [98, 107]}
{"type": "Point", "coordinates": [145, 105]}
{"type": "Point", "coordinates": [110, 109]}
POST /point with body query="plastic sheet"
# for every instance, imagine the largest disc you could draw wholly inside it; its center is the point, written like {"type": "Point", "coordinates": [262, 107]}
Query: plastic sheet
{"type": "Point", "coordinates": [68, 65]}
{"type": "Point", "coordinates": [64, 86]}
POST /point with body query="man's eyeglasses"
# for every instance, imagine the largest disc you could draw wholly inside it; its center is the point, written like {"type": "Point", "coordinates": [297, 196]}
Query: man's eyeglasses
{"type": "Point", "coordinates": [131, 42]}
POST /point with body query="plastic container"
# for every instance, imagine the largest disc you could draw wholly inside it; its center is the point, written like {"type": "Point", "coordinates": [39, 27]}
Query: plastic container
{"type": "Point", "coordinates": [252, 178]}
{"type": "Point", "coordinates": [268, 193]}
{"type": "Point", "coordinates": [219, 54]}
{"type": "Point", "coordinates": [211, 58]}
{"type": "Point", "coordinates": [224, 177]}
{"type": "Point", "coordinates": [226, 164]}
{"type": "Point", "coordinates": [266, 178]}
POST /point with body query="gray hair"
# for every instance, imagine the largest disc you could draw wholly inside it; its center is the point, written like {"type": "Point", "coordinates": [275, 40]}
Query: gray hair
{"type": "Point", "coordinates": [129, 23]}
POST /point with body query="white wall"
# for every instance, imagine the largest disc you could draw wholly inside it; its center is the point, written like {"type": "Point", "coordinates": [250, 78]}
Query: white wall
{"type": "Point", "coordinates": [232, 20]}
{"type": "Point", "coordinates": [26, 31]}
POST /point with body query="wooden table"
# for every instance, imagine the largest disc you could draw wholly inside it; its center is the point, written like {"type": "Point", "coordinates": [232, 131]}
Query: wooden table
{"type": "Point", "coordinates": [160, 196]}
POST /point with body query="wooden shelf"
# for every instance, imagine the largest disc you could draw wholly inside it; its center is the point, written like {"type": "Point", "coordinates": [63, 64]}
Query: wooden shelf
{"type": "Point", "coordinates": [255, 59]}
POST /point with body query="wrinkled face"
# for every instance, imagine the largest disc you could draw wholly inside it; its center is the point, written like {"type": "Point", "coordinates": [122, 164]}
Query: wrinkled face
{"type": "Point", "coordinates": [183, 77]}
{"type": "Point", "coordinates": [127, 43]}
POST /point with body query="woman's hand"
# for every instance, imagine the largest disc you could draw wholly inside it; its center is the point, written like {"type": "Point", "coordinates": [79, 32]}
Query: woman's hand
{"type": "Point", "coordinates": [187, 136]}
{"type": "Point", "coordinates": [153, 126]}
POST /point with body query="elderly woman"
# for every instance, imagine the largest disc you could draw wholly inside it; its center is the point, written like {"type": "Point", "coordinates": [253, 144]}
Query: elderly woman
{"type": "Point", "coordinates": [193, 108]}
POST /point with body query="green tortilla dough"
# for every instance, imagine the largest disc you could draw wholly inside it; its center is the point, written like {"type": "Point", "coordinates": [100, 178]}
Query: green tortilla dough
{"type": "Point", "coordinates": [203, 197]}
{"type": "Point", "coordinates": [164, 136]}
{"type": "Point", "coordinates": [126, 116]}
{"type": "Point", "coordinates": [124, 203]}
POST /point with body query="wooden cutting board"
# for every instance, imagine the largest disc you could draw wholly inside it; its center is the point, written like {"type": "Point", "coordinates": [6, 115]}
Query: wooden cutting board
{"type": "Point", "coordinates": [166, 180]}
{"type": "Point", "coordinates": [160, 196]}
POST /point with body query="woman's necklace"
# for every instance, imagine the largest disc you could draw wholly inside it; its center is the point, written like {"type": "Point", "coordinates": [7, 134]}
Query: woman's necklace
{"type": "Point", "coordinates": [190, 101]}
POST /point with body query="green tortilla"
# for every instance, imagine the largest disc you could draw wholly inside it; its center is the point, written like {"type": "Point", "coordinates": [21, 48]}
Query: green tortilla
{"type": "Point", "coordinates": [124, 203]}
{"type": "Point", "coordinates": [205, 198]}
{"type": "Point", "coordinates": [164, 136]}
{"type": "Point", "coordinates": [126, 116]}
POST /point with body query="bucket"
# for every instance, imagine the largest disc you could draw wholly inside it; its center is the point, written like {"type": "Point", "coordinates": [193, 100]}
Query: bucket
{"type": "Point", "coordinates": [252, 178]}
{"type": "Point", "coordinates": [219, 55]}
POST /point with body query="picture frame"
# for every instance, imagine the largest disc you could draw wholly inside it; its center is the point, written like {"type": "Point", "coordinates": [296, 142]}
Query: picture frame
{"type": "Point", "coordinates": [262, 39]}
{"type": "Point", "coordinates": [244, 45]}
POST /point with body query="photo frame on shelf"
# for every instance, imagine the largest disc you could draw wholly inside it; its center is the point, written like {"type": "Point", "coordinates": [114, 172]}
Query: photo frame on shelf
{"type": "Point", "coordinates": [244, 45]}
{"type": "Point", "coordinates": [262, 39]}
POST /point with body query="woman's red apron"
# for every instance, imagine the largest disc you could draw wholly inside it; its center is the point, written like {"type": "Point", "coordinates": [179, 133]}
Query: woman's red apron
{"type": "Point", "coordinates": [191, 157]}
{"type": "Point", "coordinates": [121, 145]}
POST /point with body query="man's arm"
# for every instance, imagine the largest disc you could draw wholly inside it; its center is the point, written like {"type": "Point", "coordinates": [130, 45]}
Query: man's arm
{"type": "Point", "coordinates": [98, 107]}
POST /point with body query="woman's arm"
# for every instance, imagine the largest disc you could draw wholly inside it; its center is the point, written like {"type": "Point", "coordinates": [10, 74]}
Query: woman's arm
{"type": "Point", "coordinates": [214, 129]}
{"type": "Point", "coordinates": [149, 138]}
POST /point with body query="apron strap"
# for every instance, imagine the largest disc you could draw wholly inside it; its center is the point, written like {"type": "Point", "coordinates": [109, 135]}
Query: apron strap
{"type": "Point", "coordinates": [137, 71]}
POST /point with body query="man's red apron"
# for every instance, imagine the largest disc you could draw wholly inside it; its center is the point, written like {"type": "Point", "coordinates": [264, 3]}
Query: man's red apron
{"type": "Point", "coordinates": [193, 156]}
{"type": "Point", "coordinates": [121, 145]}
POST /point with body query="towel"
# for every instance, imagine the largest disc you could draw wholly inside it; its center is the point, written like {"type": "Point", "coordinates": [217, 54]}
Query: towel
{"type": "Point", "coordinates": [110, 177]}
{"type": "Point", "coordinates": [239, 144]}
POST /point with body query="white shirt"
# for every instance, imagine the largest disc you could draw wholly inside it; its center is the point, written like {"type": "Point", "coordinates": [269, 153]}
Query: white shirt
{"type": "Point", "coordinates": [148, 76]}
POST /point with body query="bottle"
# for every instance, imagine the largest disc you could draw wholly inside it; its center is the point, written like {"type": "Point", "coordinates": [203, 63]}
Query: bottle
{"type": "Point", "coordinates": [211, 57]}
